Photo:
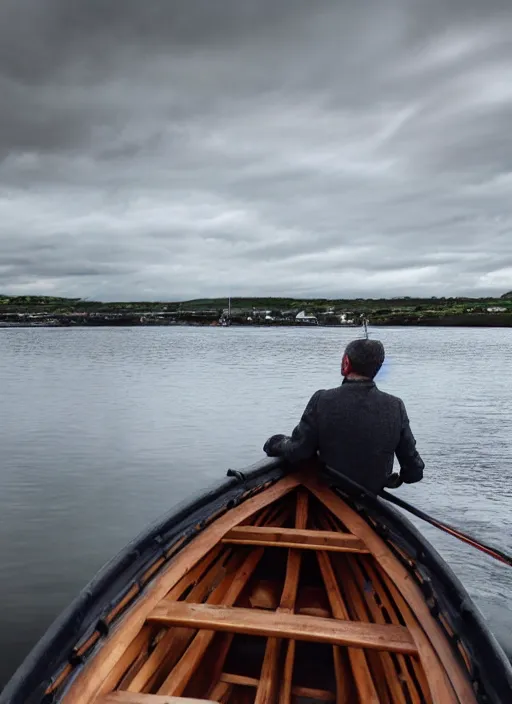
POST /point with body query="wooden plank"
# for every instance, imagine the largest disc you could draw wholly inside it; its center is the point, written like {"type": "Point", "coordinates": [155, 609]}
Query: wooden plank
{"type": "Point", "coordinates": [362, 675]}
{"type": "Point", "coordinates": [268, 685]}
{"type": "Point", "coordinates": [86, 686]}
{"type": "Point", "coordinates": [284, 625]}
{"type": "Point", "coordinates": [220, 596]}
{"type": "Point", "coordinates": [289, 595]}
{"type": "Point", "coordinates": [221, 652]}
{"type": "Point", "coordinates": [221, 692]}
{"type": "Point", "coordinates": [139, 644]}
{"type": "Point", "coordinates": [438, 681]}
{"type": "Point", "coordinates": [285, 695]}
{"type": "Point", "coordinates": [295, 538]}
{"type": "Point", "coordinates": [408, 589]}
{"type": "Point", "coordinates": [322, 695]}
{"type": "Point", "coordinates": [378, 606]}
{"type": "Point", "coordinates": [148, 668]}
{"type": "Point", "coordinates": [177, 681]}
{"type": "Point", "coordinates": [342, 673]}
{"type": "Point", "coordinates": [137, 698]}
{"type": "Point", "coordinates": [177, 639]}
{"type": "Point", "coordinates": [239, 680]}
{"type": "Point", "coordinates": [392, 677]}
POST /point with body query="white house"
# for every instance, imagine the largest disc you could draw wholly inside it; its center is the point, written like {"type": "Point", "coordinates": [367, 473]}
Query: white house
{"type": "Point", "coordinates": [304, 317]}
{"type": "Point", "coordinates": [497, 309]}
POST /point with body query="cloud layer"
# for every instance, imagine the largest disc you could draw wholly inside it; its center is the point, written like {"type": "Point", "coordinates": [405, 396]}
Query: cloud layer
{"type": "Point", "coordinates": [172, 150]}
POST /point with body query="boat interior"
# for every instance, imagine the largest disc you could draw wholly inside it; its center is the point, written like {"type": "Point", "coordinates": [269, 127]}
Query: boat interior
{"type": "Point", "coordinates": [290, 596]}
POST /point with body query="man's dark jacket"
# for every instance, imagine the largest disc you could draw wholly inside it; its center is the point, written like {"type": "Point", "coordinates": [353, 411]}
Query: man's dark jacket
{"type": "Point", "coordinates": [356, 429]}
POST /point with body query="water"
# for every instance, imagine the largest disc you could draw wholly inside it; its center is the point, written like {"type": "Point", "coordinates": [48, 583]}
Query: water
{"type": "Point", "coordinates": [103, 430]}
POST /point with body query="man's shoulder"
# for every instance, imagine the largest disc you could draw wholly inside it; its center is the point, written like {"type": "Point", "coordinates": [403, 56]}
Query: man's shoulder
{"type": "Point", "coordinates": [335, 392]}
{"type": "Point", "coordinates": [392, 398]}
{"type": "Point", "coordinates": [386, 394]}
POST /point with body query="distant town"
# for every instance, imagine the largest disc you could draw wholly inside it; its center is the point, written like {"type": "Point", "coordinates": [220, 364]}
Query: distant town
{"type": "Point", "coordinates": [45, 311]}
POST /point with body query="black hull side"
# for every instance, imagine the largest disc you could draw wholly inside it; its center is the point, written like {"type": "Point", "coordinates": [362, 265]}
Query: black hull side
{"type": "Point", "coordinates": [86, 613]}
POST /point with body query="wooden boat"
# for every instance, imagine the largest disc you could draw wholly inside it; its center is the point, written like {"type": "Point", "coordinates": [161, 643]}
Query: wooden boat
{"type": "Point", "coordinates": [272, 587]}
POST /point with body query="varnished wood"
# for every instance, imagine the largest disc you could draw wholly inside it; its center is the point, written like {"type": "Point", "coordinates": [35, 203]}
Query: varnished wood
{"type": "Point", "coordinates": [295, 538]}
{"type": "Point", "coordinates": [362, 676]}
{"type": "Point", "coordinates": [86, 686]}
{"type": "Point", "coordinates": [285, 694]}
{"type": "Point", "coordinates": [177, 639]}
{"type": "Point", "coordinates": [163, 647]}
{"type": "Point", "coordinates": [441, 690]}
{"type": "Point", "coordinates": [221, 652]}
{"type": "Point", "coordinates": [312, 601]}
{"type": "Point", "coordinates": [393, 680]}
{"type": "Point", "coordinates": [343, 675]}
{"type": "Point", "coordinates": [240, 680]}
{"type": "Point", "coordinates": [139, 644]}
{"type": "Point", "coordinates": [400, 577]}
{"type": "Point", "coordinates": [268, 684]}
{"type": "Point", "coordinates": [322, 695]}
{"type": "Point", "coordinates": [378, 606]}
{"type": "Point", "coordinates": [221, 692]}
{"type": "Point", "coordinates": [306, 628]}
{"type": "Point", "coordinates": [289, 596]}
{"type": "Point", "coordinates": [134, 698]}
{"type": "Point", "coordinates": [265, 595]}
{"type": "Point", "coordinates": [268, 689]}
{"type": "Point", "coordinates": [179, 677]}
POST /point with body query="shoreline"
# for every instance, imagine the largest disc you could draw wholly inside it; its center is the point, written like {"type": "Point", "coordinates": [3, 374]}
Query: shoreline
{"type": "Point", "coordinates": [430, 323]}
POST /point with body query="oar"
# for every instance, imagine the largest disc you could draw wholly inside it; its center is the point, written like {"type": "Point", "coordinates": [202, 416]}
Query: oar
{"type": "Point", "coordinates": [493, 552]}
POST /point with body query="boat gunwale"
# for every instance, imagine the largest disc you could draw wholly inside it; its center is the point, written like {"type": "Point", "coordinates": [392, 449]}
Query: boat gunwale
{"type": "Point", "coordinates": [78, 622]}
{"type": "Point", "coordinates": [490, 668]}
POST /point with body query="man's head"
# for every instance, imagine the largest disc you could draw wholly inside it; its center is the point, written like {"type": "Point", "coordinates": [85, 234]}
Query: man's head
{"type": "Point", "coordinates": [363, 358]}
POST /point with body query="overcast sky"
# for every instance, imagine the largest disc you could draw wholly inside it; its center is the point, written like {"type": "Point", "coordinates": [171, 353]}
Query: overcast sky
{"type": "Point", "coordinates": [182, 148]}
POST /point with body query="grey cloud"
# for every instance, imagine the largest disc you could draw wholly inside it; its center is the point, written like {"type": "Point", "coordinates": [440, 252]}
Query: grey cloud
{"type": "Point", "coordinates": [170, 149]}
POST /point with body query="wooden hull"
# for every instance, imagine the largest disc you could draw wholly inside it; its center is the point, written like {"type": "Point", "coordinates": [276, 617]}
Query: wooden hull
{"type": "Point", "coordinates": [272, 587]}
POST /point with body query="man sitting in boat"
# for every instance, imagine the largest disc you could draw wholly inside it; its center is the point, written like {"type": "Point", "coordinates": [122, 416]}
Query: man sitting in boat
{"type": "Point", "coordinates": [355, 428]}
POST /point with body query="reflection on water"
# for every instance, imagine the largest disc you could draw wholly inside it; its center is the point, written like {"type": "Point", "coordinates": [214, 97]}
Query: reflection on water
{"type": "Point", "coordinates": [103, 430]}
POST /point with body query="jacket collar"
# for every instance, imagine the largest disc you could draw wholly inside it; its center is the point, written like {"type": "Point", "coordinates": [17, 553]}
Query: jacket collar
{"type": "Point", "coordinates": [367, 383]}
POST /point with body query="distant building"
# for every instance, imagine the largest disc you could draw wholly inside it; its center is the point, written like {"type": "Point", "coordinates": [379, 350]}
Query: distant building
{"type": "Point", "coordinates": [304, 317]}
{"type": "Point", "coordinates": [497, 309]}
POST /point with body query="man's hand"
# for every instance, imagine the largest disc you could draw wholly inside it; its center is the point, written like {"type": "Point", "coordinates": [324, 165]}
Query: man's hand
{"type": "Point", "coordinates": [394, 481]}
{"type": "Point", "coordinates": [271, 447]}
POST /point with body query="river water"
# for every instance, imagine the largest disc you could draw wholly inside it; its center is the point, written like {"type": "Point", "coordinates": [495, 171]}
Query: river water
{"type": "Point", "coordinates": [103, 430]}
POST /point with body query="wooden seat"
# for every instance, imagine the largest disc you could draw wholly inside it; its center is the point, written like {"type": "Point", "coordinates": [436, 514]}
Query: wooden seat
{"type": "Point", "coordinates": [285, 625]}
{"type": "Point", "coordinates": [295, 538]}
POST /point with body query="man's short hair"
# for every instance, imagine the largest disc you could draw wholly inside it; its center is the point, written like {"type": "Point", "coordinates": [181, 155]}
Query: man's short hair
{"type": "Point", "coordinates": [366, 356]}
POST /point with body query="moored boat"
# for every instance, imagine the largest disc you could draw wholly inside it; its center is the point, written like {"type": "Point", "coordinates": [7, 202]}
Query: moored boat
{"type": "Point", "coordinates": [272, 587]}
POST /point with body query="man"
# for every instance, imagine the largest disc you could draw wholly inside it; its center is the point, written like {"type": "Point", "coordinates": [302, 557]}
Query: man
{"type": "Point", "coordinates": [356, 428]}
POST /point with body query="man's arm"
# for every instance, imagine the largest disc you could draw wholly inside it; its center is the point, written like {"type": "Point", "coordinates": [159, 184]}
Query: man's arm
{"type": "Point", "coordinates": [303, 443]}
{"type": "Point", "coordinates": [411, 464]}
